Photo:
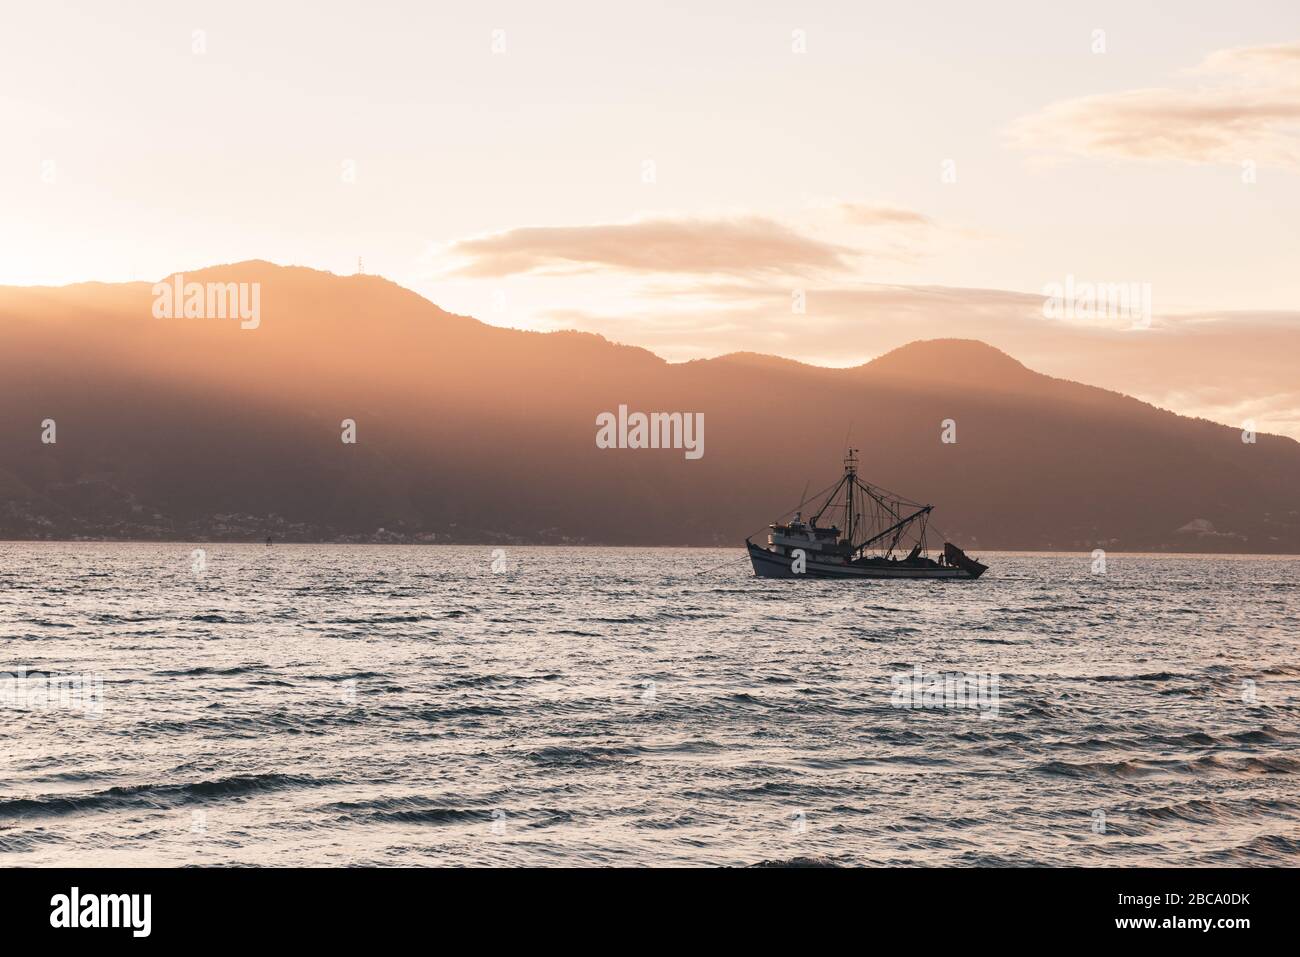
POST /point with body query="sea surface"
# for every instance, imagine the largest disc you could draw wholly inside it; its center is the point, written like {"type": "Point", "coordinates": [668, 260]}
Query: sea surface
{"type": "Point", "coordinates": [331, 705]}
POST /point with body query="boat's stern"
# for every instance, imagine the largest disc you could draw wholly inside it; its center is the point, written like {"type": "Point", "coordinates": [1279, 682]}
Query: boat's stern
{"type": "Point", "coordinates": [956, 557]}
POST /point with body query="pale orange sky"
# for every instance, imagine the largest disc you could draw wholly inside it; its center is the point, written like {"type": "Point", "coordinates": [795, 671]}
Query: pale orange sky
{"type": "Point", "coordinates": [671, 177]}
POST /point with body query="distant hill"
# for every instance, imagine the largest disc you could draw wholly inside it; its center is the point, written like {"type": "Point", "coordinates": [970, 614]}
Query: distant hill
{"type": "Point", "coordinates": [195, 429]}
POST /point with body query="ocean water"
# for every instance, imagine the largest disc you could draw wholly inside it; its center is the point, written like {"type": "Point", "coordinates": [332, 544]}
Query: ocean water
{"type": "Point", "coordinates": [410, 706]}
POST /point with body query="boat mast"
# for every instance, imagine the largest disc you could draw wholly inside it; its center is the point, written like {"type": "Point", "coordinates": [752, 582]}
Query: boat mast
{"type": "Point", "coordinates": [850, 480]}
{"type": "Point", "coordinates": [830, 500]}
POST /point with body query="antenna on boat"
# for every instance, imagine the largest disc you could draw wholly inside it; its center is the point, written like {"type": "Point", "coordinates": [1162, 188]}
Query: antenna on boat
{"type": "Point", "coordinates": [850, 479]}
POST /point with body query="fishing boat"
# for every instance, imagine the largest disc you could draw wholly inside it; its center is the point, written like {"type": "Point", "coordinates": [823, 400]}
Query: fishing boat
{"type": "Point", "coordinates": [879, 527]}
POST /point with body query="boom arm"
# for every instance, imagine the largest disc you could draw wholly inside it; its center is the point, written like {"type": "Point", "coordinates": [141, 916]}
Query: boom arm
{"type": "Point", "coordinates": [897, 525]}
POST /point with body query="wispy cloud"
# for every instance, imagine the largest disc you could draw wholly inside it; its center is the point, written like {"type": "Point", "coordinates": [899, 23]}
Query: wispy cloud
{"type": "Point", "coordinates": [751, 245]}
{"type": "Point", "coordinates": [1277, 59]}
{"type": "Point", "coordinates": [865, 214]}
{"type": "Point", "coordinates": [1254, 116]}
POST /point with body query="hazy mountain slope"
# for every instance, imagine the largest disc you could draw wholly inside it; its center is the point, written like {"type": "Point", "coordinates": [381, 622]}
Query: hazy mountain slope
{"type": "Point", "coordinates": [193, 428]}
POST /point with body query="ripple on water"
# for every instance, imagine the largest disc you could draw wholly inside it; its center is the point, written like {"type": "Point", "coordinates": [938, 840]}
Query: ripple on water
{"type": "Point", "coordinates": [326, 704]}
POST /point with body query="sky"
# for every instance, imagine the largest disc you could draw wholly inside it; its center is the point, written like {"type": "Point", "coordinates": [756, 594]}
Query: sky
{"type": "Point", "coordinates": [817, 180]}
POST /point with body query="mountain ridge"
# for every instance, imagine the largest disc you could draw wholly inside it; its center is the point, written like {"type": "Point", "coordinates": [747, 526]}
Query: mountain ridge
{"type": "Point", "coordinates": [473, 432]}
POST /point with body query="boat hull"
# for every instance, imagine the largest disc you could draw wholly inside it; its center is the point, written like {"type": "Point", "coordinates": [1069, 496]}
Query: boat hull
{"type": "Point", "coordinates": [769, 564]}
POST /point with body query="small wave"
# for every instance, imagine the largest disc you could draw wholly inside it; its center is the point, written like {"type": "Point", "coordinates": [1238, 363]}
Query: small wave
{"type": "Point", "coordinates": [357, 675]}
{"type": "Point", "coordinates": [1273, 764]}
{"type": "Point", "coordinates": [1153, 676]}
{"type": "Point", "coordinates": [1261, 736]}
{"type": "Point", "coordinates": [156, 795]}
{"type": "Point", "coordinates": [1148, 767]}
{"type": "Point", "coordinates": [383, 620]}
{"type": "Point", "coordinates": [467, 711]}
{"type": "Point", "coordinates": [798, 862]}
{"type": "Point", "coordinates": [1265, 849]}
{"type": "Point", "coordinates": [571, 757]}
{"type": "Point", "coordinates": [1102, 769]}
{"type": "Point", "coordinates": [433, 815]}
{"type": "Point", "coordinates": [23, 843]}
{"type": "Point", "coordinates": [1216, 811]}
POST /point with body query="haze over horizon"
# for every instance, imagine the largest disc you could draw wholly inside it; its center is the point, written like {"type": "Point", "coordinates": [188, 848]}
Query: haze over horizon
{"type": "Point", "coordinates": [508, 166]}
{"type": "Point", "coordinates": [1119, 361]}
{"type": "Point", "coordinates": [171, 427]}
